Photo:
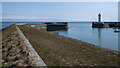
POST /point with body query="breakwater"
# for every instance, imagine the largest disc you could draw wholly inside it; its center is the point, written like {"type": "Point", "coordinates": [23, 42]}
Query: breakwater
{"type": "Point", "coordinates": [57, 26]}
{"type": "Point", "coordinates": [105, 24]}
{"type": "Point", "coordinates": [48, 25]}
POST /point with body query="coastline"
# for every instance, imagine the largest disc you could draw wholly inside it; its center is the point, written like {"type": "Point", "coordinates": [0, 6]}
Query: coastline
{"type": "Point", "coordinates": [57, 50]}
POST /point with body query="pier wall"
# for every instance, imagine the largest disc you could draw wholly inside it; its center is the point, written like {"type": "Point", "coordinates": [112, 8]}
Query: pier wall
{"type": "Point", "coordinates": [49, 25]}
{"type": "Point", "coordinates": [57, 26]}
{"type": "Point", "coordinates": [105, 24]}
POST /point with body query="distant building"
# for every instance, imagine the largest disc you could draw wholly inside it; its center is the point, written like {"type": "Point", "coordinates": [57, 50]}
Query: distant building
{"type": "Point", "coordinates": [99, 18]}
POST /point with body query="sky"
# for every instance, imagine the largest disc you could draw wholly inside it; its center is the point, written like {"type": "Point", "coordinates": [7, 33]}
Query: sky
{"type": "Point", "coordinates": [60, 0]}
{"type": "Point", "coordinates": [119, 12]}
{"type": "Point", "coordinates": [59, 11]}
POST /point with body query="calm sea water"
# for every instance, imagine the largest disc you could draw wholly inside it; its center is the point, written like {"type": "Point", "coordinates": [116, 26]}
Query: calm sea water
{"type": "Point", "coordinates": [103, 37]}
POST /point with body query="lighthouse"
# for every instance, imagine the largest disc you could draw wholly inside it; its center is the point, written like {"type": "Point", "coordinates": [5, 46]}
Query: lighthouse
{"type": "Point", "coordinates": [99, 18]}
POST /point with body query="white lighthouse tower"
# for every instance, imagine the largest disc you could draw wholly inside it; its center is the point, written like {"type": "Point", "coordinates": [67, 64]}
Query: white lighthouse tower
{"type": "Point", "coordinates": [99, 18]}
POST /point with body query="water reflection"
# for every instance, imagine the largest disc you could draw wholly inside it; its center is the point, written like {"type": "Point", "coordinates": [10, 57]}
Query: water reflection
{"type": "Point", "coordinates": [99, 36]}
{"type": "Point", "coordinates": [98, 32]}
{"type": "Point", "coordinates": [60, 31]}
{"type": "Point", "coordinates": [57, 29]}
{"type": "Point", "coordinates": [118, 31]}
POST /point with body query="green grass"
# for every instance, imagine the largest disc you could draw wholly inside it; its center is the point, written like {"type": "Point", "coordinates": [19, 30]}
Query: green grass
{"type": "Point", "coordinates": [3, 64]}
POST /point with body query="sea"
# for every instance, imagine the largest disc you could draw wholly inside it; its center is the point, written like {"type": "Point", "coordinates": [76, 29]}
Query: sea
{"type": "Point", "coordinates": [103, 37]}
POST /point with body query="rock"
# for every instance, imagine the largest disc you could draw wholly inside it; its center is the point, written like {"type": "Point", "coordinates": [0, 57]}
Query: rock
{"type": "Point", "coordinates": [8, 40]}
{"type": "Point", "coordinates": [7, 36]}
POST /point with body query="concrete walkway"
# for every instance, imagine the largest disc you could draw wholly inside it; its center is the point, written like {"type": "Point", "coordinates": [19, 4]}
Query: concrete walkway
{"type": "Point", "coordinates": [37, 59]}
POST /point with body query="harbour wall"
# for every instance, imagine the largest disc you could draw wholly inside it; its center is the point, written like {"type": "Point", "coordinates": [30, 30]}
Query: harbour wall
{"type": "Point", "coordinates": [48, 25]}
{"type": "Point", "coordinates": [105, 24]}
{"type": "Point", "coordinates": [57, 26]}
